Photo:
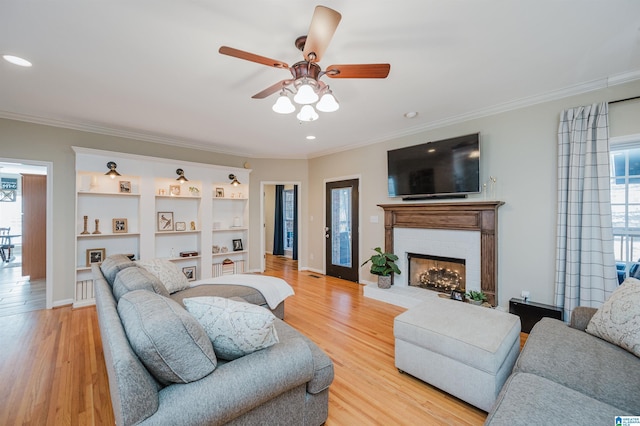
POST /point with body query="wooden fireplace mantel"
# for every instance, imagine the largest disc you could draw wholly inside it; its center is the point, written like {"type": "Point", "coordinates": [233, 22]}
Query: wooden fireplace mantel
{"type": "Point", "coordinates": [479, 216]}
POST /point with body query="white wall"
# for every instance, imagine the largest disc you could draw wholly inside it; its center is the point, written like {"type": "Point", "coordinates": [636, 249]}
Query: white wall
{"type": "Point", "coordinates": [519, 148]}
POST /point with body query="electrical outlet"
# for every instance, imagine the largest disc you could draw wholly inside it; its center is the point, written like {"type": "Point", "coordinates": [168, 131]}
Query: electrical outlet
{"type": "Point", "coordinates": [525, 295]}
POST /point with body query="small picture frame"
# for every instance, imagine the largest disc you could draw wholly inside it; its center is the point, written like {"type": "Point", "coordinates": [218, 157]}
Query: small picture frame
{"type": "Point", "coordinates": [174, 190]}
{"type": "Point", "coordinates": [189, 272]}
{"type": "Point", "coordinates": [181, 226]}
{"type": "Point", "coordinates": [125, 187]}
{"type": "Point", "coordinates": [219, 192]}
{"type": "Point", "coordinates": [165, 221]}
{"type": "Point", "coordinates": [120, 225]}
{"type": "Point", "coordinates": [458, 295]}
{"type": "Point", "coordinates": [237, 245]}
{"type": "Point", "coordinates": [96, 255]}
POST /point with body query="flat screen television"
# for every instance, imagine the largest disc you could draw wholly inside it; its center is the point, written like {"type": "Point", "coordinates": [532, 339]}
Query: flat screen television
{"type": "Point", "coordinates": [448, 168]}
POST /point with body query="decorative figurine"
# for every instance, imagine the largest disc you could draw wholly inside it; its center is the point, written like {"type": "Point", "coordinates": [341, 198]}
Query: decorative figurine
{"type": "Point", "coordinates": [86, 223]}
{"type": "Point", "coordinates": [97, 231]}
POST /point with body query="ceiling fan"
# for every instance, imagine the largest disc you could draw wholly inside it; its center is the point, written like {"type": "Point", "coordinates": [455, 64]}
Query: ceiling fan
{"type": "Point", "coordinates": [307, 73]}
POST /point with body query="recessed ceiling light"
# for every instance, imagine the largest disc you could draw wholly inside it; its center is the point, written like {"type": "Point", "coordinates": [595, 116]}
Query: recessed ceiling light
{"type": "Point", "coordinates": [17, 60]}
{"type": "Point", "coordinates": [311, 137]}
{"type": "Point", "coordinates": [411, 114]}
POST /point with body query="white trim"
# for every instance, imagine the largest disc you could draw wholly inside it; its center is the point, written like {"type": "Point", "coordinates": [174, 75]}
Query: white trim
{"type": "Point", "coordinates": [61, 303]}
{"type": "Point", "coordinates": [552, 95]}
{"type": "Point", "coordinates": [621, 142]}
{"type": "Point", "coordinates": [173, 162]}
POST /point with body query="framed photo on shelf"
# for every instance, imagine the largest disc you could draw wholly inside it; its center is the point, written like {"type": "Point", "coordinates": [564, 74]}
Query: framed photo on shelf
{"type": "Point", "coordinates": [189, 272]}
{"type": "Point", "coordinates": [125, 187]}
{"type": "Point", "coordinates": [174, 190]}
{"type": "Point", "coordinates": [219, 192]}
{"type": "Point", "coordinates": [165, 221]}
{"type": "Point", "coordinates": [457, 295]}
{"type": "Point", "coordinates": [95, 255]}
{"type": "Point", "coordinates": [120, 225]}
{"type": "Point", "coordinates": [181, 226]}
{"type": "Point", "coordinates": [237, 245]}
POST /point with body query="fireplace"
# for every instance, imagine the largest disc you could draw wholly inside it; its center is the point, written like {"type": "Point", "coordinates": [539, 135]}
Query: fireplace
{"type": "Point", "coordinates": [480, 217]}
{"type": "Point", "coordinates": [442, 274]}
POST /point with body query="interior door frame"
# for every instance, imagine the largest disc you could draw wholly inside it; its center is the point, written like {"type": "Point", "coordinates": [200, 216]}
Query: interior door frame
{"type": "Point", "coordinates": [263, 266]}
{"type": "Point", "coordinates": [324, 217]}
{"type": "Point", "coordinates": [49, 233]}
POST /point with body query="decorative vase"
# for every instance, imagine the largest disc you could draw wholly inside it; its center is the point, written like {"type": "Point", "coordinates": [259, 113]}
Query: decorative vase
{"type": "Point", "coordinates": [384, 281]}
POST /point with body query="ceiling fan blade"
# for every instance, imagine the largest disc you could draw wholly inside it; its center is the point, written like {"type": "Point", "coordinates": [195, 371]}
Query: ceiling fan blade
{"type": "Point", "coordinates": [272, 89]}
{"type": "Point", "coordinates": [323, 25]}
{"type": "Point", "coordinates": [241, 54]}
{"type": "Point", "coordinates": [358, 71]}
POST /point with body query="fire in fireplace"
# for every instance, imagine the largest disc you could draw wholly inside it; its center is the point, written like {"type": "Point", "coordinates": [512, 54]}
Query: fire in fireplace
{"type": "Point", "coordinates": [442, 274]}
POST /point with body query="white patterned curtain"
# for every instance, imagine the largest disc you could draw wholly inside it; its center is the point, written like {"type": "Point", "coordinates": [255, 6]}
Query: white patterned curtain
{"type": "Point", "coordinates": [585, 263]}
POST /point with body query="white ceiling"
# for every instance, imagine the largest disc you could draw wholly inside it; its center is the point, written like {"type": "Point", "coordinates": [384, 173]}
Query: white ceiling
{"type": "Point", "coordinates": [150, 69]}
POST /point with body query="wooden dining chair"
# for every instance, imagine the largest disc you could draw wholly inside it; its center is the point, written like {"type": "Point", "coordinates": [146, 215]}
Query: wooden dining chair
{"type": "Point", "coordinates": [5, 244]}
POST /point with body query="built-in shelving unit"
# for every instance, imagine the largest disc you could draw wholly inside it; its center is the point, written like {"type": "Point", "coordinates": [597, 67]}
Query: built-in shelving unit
{"type": "Point", "coordinates": [206, 215]}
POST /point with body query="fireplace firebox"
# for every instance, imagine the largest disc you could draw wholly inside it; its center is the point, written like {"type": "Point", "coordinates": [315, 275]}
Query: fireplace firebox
{"type": "Point", "coordinates": [442, 274]}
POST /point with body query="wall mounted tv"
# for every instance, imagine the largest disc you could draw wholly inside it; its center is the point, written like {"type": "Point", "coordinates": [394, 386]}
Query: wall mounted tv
{"type": "Point", "coordinates": [447, 168]}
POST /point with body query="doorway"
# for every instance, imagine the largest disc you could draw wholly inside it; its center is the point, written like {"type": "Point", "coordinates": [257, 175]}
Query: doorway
{"type": "Point", "coordinates": [25, 215]}
{"type": "Point", "coordinates": [341, 229]}
{"type": "Point", "coordinates": [280, 212]}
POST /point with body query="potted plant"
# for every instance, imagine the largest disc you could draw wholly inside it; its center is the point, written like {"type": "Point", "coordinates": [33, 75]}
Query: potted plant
{"type": "Point", "coordinates": [382, 265]}
{"type": "Point", "coordinates": [477, 297]}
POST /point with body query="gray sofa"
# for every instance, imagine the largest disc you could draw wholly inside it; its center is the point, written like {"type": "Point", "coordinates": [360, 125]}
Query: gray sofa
{"type": "Point", "coordinates": [566, 376]}
{"type": "Point", "coordinates": [287, 383]}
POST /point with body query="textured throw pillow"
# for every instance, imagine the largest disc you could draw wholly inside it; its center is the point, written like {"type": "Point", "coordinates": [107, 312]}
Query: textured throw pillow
{"type": "Point", "coordinates": [136, 278]}
{"type": "Point", "coordinates": [172, 277]}
{"type": "Point", "coordinates": [235, 328]}
{"type": "Point", "coordinates": [168, 340]}
{"type": "Point", "coordinates": [114, 264]}
{"type": "Point", "coordinates": [618, 320]}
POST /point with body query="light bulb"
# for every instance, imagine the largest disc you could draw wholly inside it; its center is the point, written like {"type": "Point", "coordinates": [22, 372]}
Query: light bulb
{"type": "Point", "coordinates": [327, 103]}
{"type": "Point", "coordinates": [307, 113]}
{"type": "Point", "coordinates": [283, 105]}
{"type": "Point", "coordinates": [306, 95]}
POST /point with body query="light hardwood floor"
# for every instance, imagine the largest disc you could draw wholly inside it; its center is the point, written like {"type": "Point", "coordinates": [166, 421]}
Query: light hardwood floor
{"type": "Point", "coordinates": [52, 368]}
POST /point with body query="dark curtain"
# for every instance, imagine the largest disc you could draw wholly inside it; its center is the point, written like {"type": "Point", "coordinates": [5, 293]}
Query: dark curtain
{"type": "Point", "coordinates": [278, 227]}
{"type": "Point", "coordinates": [295, 222]}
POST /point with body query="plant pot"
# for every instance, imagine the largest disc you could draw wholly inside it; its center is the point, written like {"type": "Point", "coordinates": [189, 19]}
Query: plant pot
{"type": "Point", "coordinates": [475, 302]}
{"type": "Point", "coordinates": [384, 281]}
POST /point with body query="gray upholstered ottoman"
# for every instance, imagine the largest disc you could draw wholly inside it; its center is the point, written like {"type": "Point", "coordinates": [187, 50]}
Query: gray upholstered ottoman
{"type": "Point", "coordinates": [465, 350]}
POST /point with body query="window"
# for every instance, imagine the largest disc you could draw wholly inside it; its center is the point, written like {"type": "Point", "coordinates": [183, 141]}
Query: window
{"type": "Point", "coordinates": [288, 207]}
{"type": "Point", "coordinates": [625, 204]}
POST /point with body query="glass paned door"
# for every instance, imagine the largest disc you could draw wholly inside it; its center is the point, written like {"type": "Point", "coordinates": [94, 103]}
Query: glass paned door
{"type": "Point", "coordinates": [341, 231]}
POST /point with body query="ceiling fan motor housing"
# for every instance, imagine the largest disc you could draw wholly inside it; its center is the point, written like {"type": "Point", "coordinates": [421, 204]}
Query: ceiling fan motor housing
{"type": "Point", "coordinates": [305, 69]}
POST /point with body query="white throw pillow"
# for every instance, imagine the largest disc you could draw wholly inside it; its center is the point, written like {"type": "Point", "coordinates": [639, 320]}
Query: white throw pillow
{"type": "Point", "coordinates": [234, 328]}
{"type": "Point", "coordinates": [618, 320]}
{"type": "Point", "coordinates": [167, 272]}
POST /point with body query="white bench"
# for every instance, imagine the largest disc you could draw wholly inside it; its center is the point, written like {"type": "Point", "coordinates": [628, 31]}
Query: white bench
{"type": "Point", "coordinates": [465, 350]}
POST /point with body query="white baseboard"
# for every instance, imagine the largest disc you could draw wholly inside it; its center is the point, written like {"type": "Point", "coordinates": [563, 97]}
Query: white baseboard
{"type": "Point", "coordinates": [84, 303]}
{"type": "Point", "coordinates": [61, 303]}
{"type": "Point", "coordinates": [317, 271]}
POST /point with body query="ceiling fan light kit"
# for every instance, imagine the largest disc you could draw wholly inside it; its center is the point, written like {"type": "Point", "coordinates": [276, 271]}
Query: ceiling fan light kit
{"type": "Point", "coordinates": [307, 86]}
{"type": "Point", "coordinates": [307, 113]}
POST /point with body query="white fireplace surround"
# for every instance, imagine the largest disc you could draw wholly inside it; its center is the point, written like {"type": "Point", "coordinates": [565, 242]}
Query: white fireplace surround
{"type": "Point", "coordinates": [438, 242]}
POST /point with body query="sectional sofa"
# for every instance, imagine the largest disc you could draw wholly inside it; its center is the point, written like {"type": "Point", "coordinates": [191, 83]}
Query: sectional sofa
{"type": "Point", "coordinates": [284, 383]}
{"type": "Point", "coordinates": [566, 375]}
